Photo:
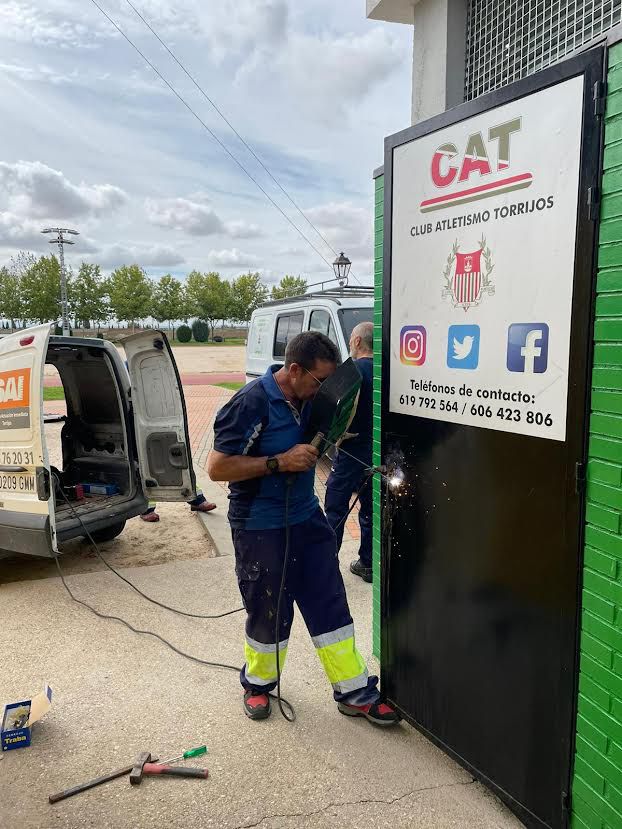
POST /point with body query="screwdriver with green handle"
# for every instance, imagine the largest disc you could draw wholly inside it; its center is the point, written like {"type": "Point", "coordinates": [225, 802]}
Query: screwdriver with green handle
{"type": "Point", "coordinates": [192, 752]}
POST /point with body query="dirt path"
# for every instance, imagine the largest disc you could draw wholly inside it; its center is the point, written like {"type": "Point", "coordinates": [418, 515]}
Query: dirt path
{"type": "Point", "coordinates": [199, 359]}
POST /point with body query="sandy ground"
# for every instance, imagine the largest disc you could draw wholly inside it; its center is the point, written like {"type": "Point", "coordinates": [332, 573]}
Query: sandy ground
{"type": "Point", "coordinates": [200, 359]}
{"type": "Point", "coordinates": [178, 535]}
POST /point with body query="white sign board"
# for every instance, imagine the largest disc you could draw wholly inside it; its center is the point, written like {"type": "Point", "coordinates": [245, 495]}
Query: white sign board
{"type": "Point", "coordinates": [483, 250]}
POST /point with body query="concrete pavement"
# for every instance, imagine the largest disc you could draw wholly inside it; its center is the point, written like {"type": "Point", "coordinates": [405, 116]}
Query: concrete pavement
{"type": "Point", "coordinates": [116, 694]}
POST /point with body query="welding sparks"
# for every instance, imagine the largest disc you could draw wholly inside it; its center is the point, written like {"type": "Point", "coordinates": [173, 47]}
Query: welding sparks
{"type": "Point", "coordinates": [396, 479]}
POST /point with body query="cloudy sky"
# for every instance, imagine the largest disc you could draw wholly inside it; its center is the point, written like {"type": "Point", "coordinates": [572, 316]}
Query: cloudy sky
{"type": "Point", "coordinates": [92, 139]}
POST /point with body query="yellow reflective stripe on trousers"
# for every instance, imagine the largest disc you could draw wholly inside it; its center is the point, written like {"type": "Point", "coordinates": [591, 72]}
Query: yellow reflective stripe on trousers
{"type": "Point", "coordinates": [261, 661]}
{"type": "Point", "coordinates": [343, 664]}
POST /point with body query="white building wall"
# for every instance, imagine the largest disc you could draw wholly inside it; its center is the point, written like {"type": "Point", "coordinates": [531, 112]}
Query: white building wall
{"type": "Point", "coordinates": [439, 47]}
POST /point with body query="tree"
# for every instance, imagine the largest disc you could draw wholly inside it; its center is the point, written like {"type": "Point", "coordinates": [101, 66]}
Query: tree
{"type": "Point", "coordinates": [88, 296]}
{"type": "Point", "coordinates": [11, 302]}
{"type": "Point", "coordinates": [248, 293]}
{"type": "Point", "coordinates": [21, 263]}
{"type": "Point", "coordinates": [40, 285]}
{"type": "Point", "coordinates": [225, 304]}
{"type": "Point", "coordinates": [130, 293]}
{"type": "Point", "coordinates": [209, 297]}
{"type": "Point", "coordinates": [289, 286]}
{"type": "Point", "coordinates": [168, 302]}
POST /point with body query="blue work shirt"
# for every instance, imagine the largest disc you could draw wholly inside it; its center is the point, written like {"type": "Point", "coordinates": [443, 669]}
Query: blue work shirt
{"type": "Point", "coordinates": [259, 421]}
{"type": "Point", "coordinates": [360, 446]}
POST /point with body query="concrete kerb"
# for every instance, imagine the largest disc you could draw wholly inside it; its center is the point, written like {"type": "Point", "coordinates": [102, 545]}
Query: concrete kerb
{"type": "Point", "coordinates": [215, 522]}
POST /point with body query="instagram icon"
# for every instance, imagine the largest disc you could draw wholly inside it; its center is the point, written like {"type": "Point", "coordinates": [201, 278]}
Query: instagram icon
{"type": "Point", "coordinates": [413, 345]}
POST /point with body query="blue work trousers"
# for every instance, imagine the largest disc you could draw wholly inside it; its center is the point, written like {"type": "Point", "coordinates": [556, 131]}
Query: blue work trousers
{"type": "Point", "coordinates": [346, 478]}
{"type": "Point", "coordinates": [313, 581]}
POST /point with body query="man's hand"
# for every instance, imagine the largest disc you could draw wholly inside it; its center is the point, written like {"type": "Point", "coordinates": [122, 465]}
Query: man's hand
{"type": "Point", "coordinates": [299, 458]}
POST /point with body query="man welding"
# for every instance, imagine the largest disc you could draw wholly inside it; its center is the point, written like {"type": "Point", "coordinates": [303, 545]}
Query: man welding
{"type": "Point", "coordinates": [259, 449]}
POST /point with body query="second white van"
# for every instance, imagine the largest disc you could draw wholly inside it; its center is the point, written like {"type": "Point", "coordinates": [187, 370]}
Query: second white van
{"type": "Point", "coordinates": [332, 312]}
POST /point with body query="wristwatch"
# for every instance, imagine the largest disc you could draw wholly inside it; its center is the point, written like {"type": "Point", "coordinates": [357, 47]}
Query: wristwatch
{"type": "Point", "coordinates": [273, 465]}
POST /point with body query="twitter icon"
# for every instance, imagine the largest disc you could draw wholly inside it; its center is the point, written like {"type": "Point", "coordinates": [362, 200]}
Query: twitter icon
{"type": "Point", "coordinates": [463, 346]}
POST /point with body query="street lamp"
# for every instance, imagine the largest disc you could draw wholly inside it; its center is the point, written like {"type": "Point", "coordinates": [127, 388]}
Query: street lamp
{"type": "Point", "coordinates": [341, 266]}
{"type": "Point", "coordinates": [61, 242]}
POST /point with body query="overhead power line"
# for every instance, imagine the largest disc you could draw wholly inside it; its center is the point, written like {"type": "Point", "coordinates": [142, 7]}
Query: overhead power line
{"type": "Point", "coordinates": [229, 124]}
{"type": "Point", "coordinates": [209, 130]}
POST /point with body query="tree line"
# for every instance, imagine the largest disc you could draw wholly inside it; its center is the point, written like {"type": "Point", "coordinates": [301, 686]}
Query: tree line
{"type": "Point", "coordinates": [30, 292]}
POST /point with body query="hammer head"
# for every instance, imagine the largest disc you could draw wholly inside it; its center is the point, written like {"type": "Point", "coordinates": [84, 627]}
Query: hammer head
{"type": "Point", "coordinates": [136, 775]}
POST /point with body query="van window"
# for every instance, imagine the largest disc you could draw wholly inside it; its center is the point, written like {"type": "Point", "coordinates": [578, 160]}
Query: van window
{"type": "Point", "coordinates": [287, 326]}
{"type": "Point", "coordinates": [322, 322]}
{"type": "Point", "coordinates": [350, 318]}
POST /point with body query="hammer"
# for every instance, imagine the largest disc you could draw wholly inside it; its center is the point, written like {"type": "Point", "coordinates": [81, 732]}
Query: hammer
{"type": "Point", "coordinates": [142, 766]}
{"type": "Point", "coordinates": [83, 787]}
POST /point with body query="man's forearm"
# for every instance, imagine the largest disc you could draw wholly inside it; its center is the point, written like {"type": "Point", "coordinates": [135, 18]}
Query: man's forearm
{"type": "Point", "coordinates": [221, 467]}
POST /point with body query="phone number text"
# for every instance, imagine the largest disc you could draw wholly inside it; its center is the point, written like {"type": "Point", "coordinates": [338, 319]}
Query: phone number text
{"type": "Point", "coordinates": [477, 410]}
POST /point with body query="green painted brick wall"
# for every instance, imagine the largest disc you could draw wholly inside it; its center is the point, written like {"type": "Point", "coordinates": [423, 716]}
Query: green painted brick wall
{"type": "Point", "coordinates": [378, 249]}
{"type": "Point", "coordinates": [597, 783]}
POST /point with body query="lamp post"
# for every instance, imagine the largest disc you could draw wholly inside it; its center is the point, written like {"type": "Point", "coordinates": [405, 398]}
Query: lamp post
{"type": "Point", "coordinates": [61, 242]}
{"type": "Point", "coordinates": [342, 266]}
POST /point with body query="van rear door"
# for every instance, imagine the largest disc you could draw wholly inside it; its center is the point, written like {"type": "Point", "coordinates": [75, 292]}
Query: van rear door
{"type": "Point", "coordinates": [26, 503]}
{"type": "Point", "coordinates": [160, 420]}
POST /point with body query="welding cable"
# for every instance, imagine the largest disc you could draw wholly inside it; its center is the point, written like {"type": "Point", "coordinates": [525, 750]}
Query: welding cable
{"type": "Point", "coordinates": [388, 511]}
{"type": "Point", "coordinates": [277, 624]}
{"type": "Point", "coordinates": [164, 641]}
{"type": "Point", "coordinates": [371, 470]}
{"type": "Point", "coordinates": [368, 478]}
{"type": "Point", "coordinates": [100, 615]}
{"type": "Point", "coordinates": [131, 584]}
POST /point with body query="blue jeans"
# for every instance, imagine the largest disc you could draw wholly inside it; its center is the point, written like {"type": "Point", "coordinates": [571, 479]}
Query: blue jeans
{"type": "Point", "coordinates": [346, 477]}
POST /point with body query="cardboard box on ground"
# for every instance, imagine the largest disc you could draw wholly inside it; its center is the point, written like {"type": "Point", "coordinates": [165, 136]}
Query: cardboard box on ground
{"type": "Point", "coordinates": [19, 717]}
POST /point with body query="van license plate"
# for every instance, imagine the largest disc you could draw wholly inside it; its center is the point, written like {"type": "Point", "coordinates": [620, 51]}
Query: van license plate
{"type": "Point", "coordinates": [21, 482]}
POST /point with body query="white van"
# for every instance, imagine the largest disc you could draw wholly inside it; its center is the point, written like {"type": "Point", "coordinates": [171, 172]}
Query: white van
{"type": "Point", "coordinates": [333, 312]}
{"type": "Point", "coordinates": [124, 437]}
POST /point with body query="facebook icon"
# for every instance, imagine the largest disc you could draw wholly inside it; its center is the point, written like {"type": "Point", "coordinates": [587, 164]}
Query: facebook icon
{"type": "Point", "coordinates": [528, 347]}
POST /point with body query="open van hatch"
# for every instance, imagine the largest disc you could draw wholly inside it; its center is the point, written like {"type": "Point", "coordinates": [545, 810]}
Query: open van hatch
{"type": "Point", "coordinates": [124, 437]}
{"type": "Point", "coordinates": [96, 443]}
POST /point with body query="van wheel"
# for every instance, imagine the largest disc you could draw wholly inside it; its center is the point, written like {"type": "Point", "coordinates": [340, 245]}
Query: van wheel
{"type": "Point", "coordinates": [108, 533]}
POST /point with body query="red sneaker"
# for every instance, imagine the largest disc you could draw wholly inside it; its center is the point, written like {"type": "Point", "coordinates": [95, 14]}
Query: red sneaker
{"type": "Point", "coordinates": [204, 506]}
{"type": "Point", "coordinates": [377, 712]}
{"type": "Point", "coordinates": [150, 517]}
{"type": "Point", "coordinates": [256, 706]}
